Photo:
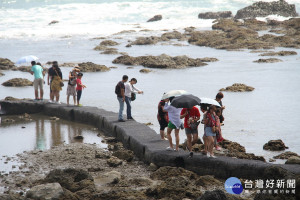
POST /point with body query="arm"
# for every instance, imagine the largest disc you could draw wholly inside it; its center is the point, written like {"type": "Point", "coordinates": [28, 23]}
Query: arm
{"type": "Point", "coordinates": [136, 90]}
{"type": "Point", "coordinates": [183, 114]}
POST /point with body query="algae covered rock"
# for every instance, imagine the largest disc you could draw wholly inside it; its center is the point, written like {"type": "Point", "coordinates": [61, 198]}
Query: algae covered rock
{"type": "Point", "coordinates": [92, 67]}
{"type": "Point", "coordinates": [263, 9]}
{"type": "Point", "coordinates": [6, 64]}
{"type": "Point", "coordinates": [275, 145]}
{"type": "Point", "coordinates": [238, 87]}
{"type": "Point", "coordinates": [18, 82]}
{"type": "Point", "coordinates": [215, 15]}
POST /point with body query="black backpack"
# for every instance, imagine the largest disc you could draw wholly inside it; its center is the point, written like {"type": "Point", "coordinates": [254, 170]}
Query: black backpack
{"type": "Point", "coordinates": [118, 89]}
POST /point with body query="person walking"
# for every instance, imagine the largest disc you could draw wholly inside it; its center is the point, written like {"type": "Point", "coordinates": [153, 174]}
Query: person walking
{"type": "Point", "coordinates": [79, 87]}
{"type": "Point", "coordinates": [120, 92]}
{"type": "Point", "coordinates": [174, 123]}
{"type": "Point", "coordinates": [38, 82]}
{"type": "Point", "coordinates": [130, 90]}
{"type": "Point", "coordinates": [55, 83]}
{"type": "Point", "coordinates": [71, 90]}
{"type": "Point", "coordinates": [163, 119]}
{"type": "Point", "coordinates": [191, 117]}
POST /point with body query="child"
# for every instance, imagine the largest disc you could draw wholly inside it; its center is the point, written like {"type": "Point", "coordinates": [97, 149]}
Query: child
{"type": "Point", "coordinates": [71, 90]}
{"type": "Point", "coordinates": [79, 87]}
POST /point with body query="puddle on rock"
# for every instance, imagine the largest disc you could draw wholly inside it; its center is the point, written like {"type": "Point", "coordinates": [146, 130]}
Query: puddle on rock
{"type": "Point", "coordinates": [19, 133]}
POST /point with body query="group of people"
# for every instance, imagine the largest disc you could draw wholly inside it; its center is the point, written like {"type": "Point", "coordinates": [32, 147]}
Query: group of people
{"type": "Point", "coordinates": [126, 92]}
{"type": "Point", "coordinates": [170, 117]}
{"type": "Point", "coordinates": [55, 81]}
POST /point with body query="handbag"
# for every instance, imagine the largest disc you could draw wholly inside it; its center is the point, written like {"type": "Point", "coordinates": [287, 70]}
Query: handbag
{"type": "Point", "coordinates": [133, 96]}
{"type": "Point", "coordinates": [61, 81]}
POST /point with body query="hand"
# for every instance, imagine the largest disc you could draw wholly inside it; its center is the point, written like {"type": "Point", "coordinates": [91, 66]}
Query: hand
{"type": "Point", "coordinates": [140, 92]}
{"type": "Point", "coordinates": [223, 107]}
{"type": "Point", "coordinates": [166, 100]}
{"type": "Point", "coordinates": [123, 98]}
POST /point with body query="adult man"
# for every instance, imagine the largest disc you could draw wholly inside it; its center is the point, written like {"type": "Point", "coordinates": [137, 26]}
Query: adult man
{"type": "Point", "coordinates": [129, 89]}
{"type": "Point", "coordinates": [191, 117]}
{"type": "Point", "coordinates": [120, 92]}
{"type": "Point", "coordinates": [51, 73]}
{"type": "Point", "coordinates": [38, 82]}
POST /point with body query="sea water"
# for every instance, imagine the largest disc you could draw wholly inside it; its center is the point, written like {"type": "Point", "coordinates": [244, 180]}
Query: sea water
{"type": "Point", "coordinates": [271, 111]}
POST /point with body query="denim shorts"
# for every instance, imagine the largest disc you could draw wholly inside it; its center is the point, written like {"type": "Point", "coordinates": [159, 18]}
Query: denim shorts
{"type": "Point", "coordinates": [208, 132]}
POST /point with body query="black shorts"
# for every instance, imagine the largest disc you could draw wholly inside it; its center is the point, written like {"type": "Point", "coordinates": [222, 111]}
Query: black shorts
{"type": "Point", "coordinates": [163, 124]}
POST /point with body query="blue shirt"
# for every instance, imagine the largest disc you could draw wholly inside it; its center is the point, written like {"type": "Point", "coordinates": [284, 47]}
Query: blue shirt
{"type": "Point", "coordinates": [37, 71]}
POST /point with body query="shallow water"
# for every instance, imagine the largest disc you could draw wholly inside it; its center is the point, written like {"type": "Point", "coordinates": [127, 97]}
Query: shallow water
{"type": "Point", "coordinates": [40, 133]}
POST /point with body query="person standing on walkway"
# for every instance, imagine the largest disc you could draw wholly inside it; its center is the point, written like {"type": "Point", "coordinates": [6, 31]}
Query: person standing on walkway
{"type": "Point", "coordinates": [219, 98]}
{"type": "Point", "coordinates": [120, 92]}
{"type": "Point", "coordinates": [191, 117]}
{"type": "Point", "coordinates": [55, 84]}
{"type": "Point", "coordinates": [174, 123]}
{"type": "Point", "coordinates": [38, 82]}
{"type": "Point", "coordinates": [163, 119]}
{"type": "Point", "coordinates": [51, 74]}
{"type": "Point", "coordinates": [129, 89]}
{"type": "Point", "coordinates": [79, 87]}
{"type": "Point", "coordinates": [71, 90]}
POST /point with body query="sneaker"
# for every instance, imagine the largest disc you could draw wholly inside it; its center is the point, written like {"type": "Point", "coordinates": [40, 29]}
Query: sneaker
{"type": "Point", "coordinates": [121, 120]}
{"type": "Point", "coordinates": [58, 102]}
{"type": "Point", "coordinates": [50, 101]}
{"type": "Point", "coordinates": [170, 149]}
{"type": "Point", "coordinates": [207, 154]}
{"type": "Point", "coordinates": [80, 105]}
{"type": "Point", "coordinates": [130, 118]}
{"type": "Point", "coordinates": [213, 156]}
{"type": "Point", "coordinates": [218, 148]}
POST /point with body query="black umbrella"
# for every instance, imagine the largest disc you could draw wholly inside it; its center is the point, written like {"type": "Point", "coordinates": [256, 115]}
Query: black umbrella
{"type": "Point", "coordinates": [185, 101]}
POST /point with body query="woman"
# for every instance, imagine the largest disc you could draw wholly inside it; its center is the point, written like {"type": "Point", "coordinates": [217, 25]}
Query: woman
{"type": "Point", "coordinates": [71, 90]}
{"type": "Point", "coordinates": [163, 119]}
{"type": "Point", "coordinates": [210, 126]}
{"type": "Point", "coordinates": [55, 84]}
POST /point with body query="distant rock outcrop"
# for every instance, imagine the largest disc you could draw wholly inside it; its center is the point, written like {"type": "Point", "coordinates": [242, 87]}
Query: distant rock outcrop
{"type": "Point", "coordinates": [92, 67]}
{"type": "Point", "coordinates": [269, 60]}
{"type": "Point", "coordinates": [215, 15]}
{"type": "Point", "coordinates": [6, 64]}
{"type": "Point", "coordinates": [18, 82]}
{"type": "Point", "coordinates": [162, 61]}
{"type": "Point", "coordinates": [155, 18]}
{"type": "Point", "coordinates": [280, 53]}
{"type": "Point", "coordinates": [275, 145]}
{"type": "Point", "coordinates": [53, 22]}
{"type": "Point", "coordinates": [238, 87]}
{"type": "Point", "coordinates": [263, 9]}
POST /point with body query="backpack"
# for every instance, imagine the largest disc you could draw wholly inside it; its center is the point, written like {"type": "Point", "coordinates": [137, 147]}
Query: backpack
{"type": "Point", "coordinates": [118, 89]}
{"type": "Point", "coordinates": [133, 96]}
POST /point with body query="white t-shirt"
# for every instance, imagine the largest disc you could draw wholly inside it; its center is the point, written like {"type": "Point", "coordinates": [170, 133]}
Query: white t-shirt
{"type": "Point", "coordinates": [174, 114]}
{"type": "Point", "coordinates": [130, 89]}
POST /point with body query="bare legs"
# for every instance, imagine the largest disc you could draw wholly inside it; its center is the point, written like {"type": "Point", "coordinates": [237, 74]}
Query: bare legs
{"type": "Point", "coordinates": [169, 130]}
{"type": "Point", "coordinates": [210, 145]}
{"type": "Point", "coordinates": [162, 134]}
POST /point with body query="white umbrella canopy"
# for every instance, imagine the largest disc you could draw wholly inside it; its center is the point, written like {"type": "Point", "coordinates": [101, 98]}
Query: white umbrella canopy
{"type": "Point", "coordinates": [209, 101]}
{"type": "Point", "coordinates": [173, 93]}
{"type": "Point", "coordinates": [27, 59]}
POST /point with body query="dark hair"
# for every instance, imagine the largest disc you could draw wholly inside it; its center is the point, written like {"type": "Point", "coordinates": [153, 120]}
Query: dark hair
{"type": "Point", "coordinates": [212, 107]}
{"type": "Point", "coordinates": [79, 74]}
{"type": "Point", "coordinates": [171, 99]}
{"type": "Point", "coordinates": [220, 95]}
{"type": "Point", "coordinates": [134, 79]}
{"type": "Point", "coordinates": [33, 63]}
{"type": "Point", "coordinates": [39, 64]}
{"type": "Point", "coordinates": [54, 63]}
{"type": "Point", "coordinates": [218, 110]}
{"type": "Point", "coordinates": [203, 107]}
{"type": "Point", "coordinates": [125, 77]}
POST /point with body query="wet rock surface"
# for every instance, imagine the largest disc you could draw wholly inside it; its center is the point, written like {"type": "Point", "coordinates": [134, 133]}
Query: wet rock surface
{"type": "Point", "coordinates": [18, 82]}
{"type": "Point", "coordinates": [263, 9]}
{"type": "Point", "coordinates": [286, 155]}
{"type": "Point", "coordinates": [109, 43]}
{"type": "Point", "coordinates": [293, 160]}
{"type": "Point", "coordinates": [49, 191]}
{"type": "Point", "coordinates": [1, 74]}
{"type": "Point", "coordinates": [238, 87]}
{"type": "Point", "coordinates": [92, 67]}
{"type": "Point", "coordinates": [155, 18]}
{"type": "Point", "coordinates": [268, 60]}
{"type": "Point", "coordinates": [215, 15]}
{"type": "Point", "coordinates": [145, 71]}
{"type": "Point", "coordinates": [275, 145]}
{"type": "Point", "coordinates": [6, 64]}
{"type": "Point", "coordinates": [163, 61]}
{"type": "Point", "coordinates": [280, 53]}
